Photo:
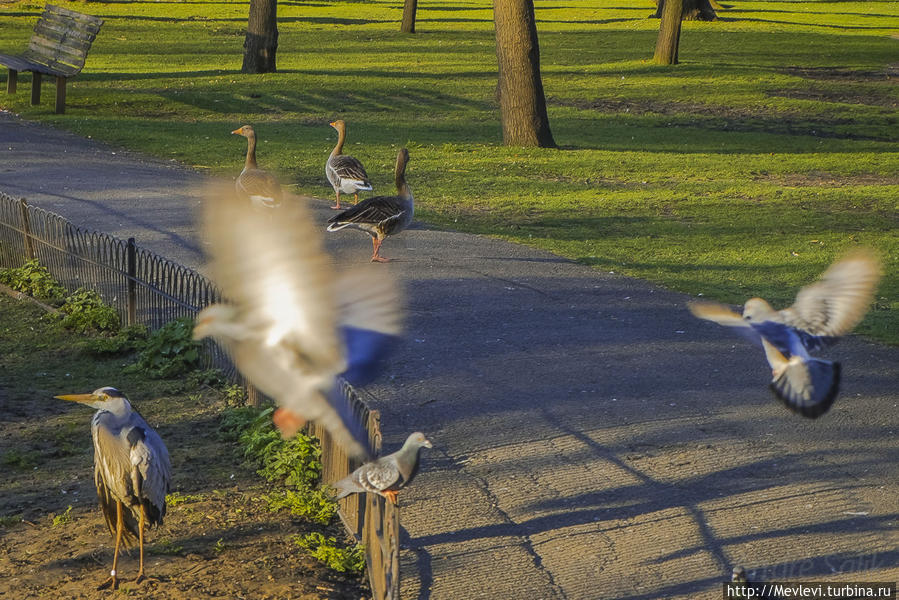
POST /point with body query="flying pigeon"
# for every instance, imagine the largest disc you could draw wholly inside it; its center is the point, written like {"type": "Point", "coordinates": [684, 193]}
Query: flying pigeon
{"type": "Point", "coordinates": [387, 475]}
{"type": "Point", "coordinates": [292, 323]}
{"type": "Point", "coordinates": [823, 312]}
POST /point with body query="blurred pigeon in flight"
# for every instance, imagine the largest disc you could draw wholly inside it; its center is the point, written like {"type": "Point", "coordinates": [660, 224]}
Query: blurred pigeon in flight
{"type": "Point", "coordinates": [291, 323]}
{"type": "Point", "coordinates": [387, 475]}
{"type": "Point", "coordinates": [823, 312]}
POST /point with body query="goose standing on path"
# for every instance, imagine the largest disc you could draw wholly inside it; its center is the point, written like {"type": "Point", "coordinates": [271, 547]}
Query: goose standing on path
{"type": "Point", "coordinates": [381, 216]}
{"type": "Point", "coordinates": [260, 187]}
{"type": "Point", "coordinates": [345, 173]}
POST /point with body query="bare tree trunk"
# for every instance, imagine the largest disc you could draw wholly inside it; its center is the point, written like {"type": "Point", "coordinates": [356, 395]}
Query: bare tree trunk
{"type": "Point", "coordinates": [521, 99]}
{"type": "Point", "coordinates": [261, 42]}
{"type": "Point", "coordinates": [694, 10]}
{"type": "Point", "coordinates": [669, 34]}
{"type": "Point", "coordinates": [409, 8]}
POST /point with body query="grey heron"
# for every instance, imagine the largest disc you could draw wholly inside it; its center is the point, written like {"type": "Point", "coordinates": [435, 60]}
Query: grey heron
{"type": "Point", "coordinates": [132, 470]}
{"type": "Point", "coordinates": [293, 323]}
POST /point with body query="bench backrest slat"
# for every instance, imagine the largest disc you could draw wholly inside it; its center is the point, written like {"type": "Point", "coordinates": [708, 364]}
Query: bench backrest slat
{"type": "Point", "coordinates": [57, 24]}
{"type": "Point", "coordinates": [69, 44]}
{"type": "Point", "coordinates": [62, 38]}
{"type": "Point", "coordinates": [81, 18]}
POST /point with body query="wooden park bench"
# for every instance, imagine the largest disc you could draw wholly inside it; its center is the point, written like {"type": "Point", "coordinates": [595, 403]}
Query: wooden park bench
{"type": "Point", "coordinates": [58, 47]}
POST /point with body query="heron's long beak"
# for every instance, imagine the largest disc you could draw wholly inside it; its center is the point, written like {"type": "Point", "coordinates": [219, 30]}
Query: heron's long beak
{"type": "Point", "coordinates": [83, 398]}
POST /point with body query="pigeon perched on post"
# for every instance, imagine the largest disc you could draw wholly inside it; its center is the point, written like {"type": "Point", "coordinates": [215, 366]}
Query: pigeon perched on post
{"type": "Point", "coordinates": [823, 312]}
{"type": "Point", "coordinates": [387, 475]}
{"type": "Point", "coordinates": [292, 323]}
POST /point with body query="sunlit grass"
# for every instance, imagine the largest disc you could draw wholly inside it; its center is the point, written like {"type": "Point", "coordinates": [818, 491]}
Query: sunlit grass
{"type": "Point", "coordinates": [743, 171]}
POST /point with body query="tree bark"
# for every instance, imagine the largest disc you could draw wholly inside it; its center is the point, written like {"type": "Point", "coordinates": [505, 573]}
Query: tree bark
{"type": "Point", "coordinates": [261, 42]}
{"type": "Point", "coordinates": [669, 34]}
{"type": "Point", "coordinates": [409, 8]}
{"type": "Point", "coordinates": [694, 10]}
{"type": "Point", "coordinates": [521, 99]}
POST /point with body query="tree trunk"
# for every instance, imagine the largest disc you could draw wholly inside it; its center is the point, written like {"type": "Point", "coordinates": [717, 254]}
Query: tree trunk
{"type": "Point", "coordinates": [521, 99]}
{"type": "Point", "coordinates": [261, 42]}
{"type": "Point", "coordinates": [694, 10]}
{"type": "Point", "coordinates": [669, 34]}
{"type": "Point", "coordinates": [409, 8]}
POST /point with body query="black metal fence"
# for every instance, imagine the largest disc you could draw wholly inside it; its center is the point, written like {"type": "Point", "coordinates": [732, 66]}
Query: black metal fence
{"type": "Point", "coordinates": [146, 288]}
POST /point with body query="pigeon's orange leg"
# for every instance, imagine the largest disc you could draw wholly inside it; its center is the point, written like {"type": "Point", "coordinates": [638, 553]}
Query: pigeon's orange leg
{"type": "Point", "coordinates": [287, 422]}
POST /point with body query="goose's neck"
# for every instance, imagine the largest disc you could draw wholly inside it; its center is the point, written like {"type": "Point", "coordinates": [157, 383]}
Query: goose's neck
{"type": "Point", "coordinates": [251, 153]}
{"type": "Point", "coordinates": [402, 188]}
{"type": "Point", "coordinates": [341, 137]}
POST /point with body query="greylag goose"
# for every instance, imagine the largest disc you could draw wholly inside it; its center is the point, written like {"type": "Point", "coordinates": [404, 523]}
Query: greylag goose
{"type": "Point", "coordinates": [345, 173]}
{"type": "Point", "coordinates": [260, 187]}
{"type": "Point", "coordinates": [381, 216]}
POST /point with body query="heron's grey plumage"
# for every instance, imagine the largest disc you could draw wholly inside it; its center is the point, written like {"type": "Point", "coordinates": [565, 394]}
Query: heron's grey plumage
{"type": "Point", "coordinates": [823, 312]}
{"type": "Point", "coordinates": [132, 469]}
{"type": "Point", "coordinates": [287, 307]}
{"type": "Point", "coordinates": [388, 474]}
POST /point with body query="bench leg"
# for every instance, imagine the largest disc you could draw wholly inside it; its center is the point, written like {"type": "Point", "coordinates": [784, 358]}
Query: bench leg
{"type": "Point", "coordinates": [11, 81]}
{"type": "Point", "coordinates": [60, 95]}
{"type": "Point", "coordinates": [35, 88]}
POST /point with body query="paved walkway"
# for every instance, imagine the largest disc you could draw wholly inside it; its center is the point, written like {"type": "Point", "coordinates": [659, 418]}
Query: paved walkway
{"type": "Point", "coordinates": [592, 440]}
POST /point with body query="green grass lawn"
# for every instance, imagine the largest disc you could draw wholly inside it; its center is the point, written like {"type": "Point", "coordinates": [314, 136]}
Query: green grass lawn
{"type": "Point", "coordinates": [743, 171]}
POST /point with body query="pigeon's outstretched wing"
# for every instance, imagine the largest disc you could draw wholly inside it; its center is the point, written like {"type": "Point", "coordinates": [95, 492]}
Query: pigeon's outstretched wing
{"type": "Point", "coordinates": [834, 304]}
{"type": "Point", "coordinates": [287, 326]}
{"type": "Point", "coordinates": [723, 315]}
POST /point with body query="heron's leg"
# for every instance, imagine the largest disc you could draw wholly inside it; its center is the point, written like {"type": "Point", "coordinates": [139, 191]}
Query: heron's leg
{"type": "Point", "coordinates": [119, 526]}
{"type": "Point", "coordinates": [338, 200]}
{"type": "Point", "coordinates": [376, 253]}
{"type": "Point", "coordinates": [143, 519]}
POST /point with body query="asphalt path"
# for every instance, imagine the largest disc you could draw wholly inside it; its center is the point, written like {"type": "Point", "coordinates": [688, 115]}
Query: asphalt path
{"type": "Point", "coordinates": [592, 440]}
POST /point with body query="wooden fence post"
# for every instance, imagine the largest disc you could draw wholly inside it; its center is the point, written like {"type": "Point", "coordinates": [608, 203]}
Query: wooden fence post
{"type": "Point", "coordinates": [392, 532]}
{"type": "Point", "coordinates": [26, 230]}
{"type": "Point", "coordinates": [131, 281]}
{"type": "Point", "coordinates": [254, 398]}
